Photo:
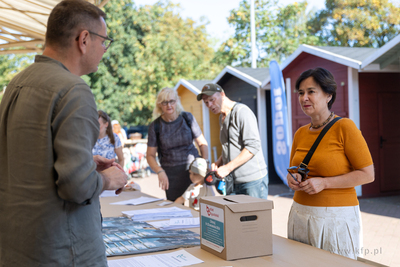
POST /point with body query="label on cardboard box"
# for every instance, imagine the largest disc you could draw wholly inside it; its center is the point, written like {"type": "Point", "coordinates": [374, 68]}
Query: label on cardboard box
{"type": "Point", "coordinates": [212, 227]}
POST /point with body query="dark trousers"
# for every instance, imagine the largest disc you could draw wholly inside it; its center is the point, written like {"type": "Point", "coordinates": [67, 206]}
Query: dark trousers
{"type": "Point", "coordinates": [179, 181]}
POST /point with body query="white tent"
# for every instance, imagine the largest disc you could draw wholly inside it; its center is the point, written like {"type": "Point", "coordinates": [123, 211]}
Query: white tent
{"type": "Point", "coordinates": [23, 24]}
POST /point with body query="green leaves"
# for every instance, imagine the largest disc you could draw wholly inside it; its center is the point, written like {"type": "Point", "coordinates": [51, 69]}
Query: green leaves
{"type": "Point", "coordinates": [11, 65]}
{"type": "Point", "coordinates": [154, 48]}
{"type": "Point", "coordinates": [279, 32]}
{"type": "Point", "coordinates": [369, 23]}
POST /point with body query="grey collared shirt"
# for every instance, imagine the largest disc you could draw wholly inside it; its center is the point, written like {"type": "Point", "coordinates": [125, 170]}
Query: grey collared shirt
{"type": "Point", "coordinates": [243, 133]}
{"type": "Point", "coordinates": [49, 188]}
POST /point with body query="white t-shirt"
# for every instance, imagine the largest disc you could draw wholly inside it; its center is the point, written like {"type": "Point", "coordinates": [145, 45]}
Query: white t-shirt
{"type": "Point", "coordinates": [195, 192]}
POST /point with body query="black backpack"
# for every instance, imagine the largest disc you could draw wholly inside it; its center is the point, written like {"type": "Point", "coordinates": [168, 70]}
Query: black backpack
{"type": "Point", "coordinates": [157, 123]}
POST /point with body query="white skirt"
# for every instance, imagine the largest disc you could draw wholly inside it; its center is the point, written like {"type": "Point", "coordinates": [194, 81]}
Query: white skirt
{"type": "Point", "coordinates": [335, 229]}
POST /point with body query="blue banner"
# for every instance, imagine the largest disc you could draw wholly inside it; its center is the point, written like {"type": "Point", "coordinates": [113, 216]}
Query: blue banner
{"type": "Point", "coordinates": [280, 132]}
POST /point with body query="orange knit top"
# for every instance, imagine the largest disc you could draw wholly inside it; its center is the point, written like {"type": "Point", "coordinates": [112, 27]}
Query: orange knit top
{"type": "Point", "coordinates": [342, 150]}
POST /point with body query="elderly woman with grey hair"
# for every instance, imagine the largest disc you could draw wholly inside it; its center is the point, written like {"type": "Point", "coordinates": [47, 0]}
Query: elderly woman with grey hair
{"type": "Point", "coordinates": [171, 134]}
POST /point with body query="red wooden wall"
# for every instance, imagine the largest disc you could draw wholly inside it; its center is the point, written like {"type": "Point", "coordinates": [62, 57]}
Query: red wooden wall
{"type": "Point", "coordinates": [370, 86]}
{"type": "Point", "coordinates": [307, 61]}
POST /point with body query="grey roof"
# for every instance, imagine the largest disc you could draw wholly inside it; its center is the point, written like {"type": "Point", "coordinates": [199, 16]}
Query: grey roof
{"type": "Point", "coordinates": [199, 83]}
{"type": "Point", "coordinates": [259, 74]}
{"type": "Point", "coordinates": [356, 53]}
{"type": "Point", "coordinates": [386, 55]}
{"type": "Point", "coordinates": [390, 57]}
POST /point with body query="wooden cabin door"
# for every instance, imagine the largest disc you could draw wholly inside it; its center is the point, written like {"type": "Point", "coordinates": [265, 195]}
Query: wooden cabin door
{"type": "Point", "coordinates": [389, 138]}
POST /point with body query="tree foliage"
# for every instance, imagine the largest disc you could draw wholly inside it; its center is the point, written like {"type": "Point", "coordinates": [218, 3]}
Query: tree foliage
{"type": "Point", "coordinates": [154, 48]}
{"type": "Point", "coordinates": [11, 65]}
{"type": "Point", "coordinates": [368, 23]}
{"type": "Point", "coordinates": [279, 32]}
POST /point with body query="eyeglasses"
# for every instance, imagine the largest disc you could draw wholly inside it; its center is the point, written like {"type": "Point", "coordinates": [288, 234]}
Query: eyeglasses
{"type": "Point", "coordinates": [107, 40]}
{"type": "Point", "coordinates": [303, 172]}
{"type": "Point", "coordinates": [165, 103]}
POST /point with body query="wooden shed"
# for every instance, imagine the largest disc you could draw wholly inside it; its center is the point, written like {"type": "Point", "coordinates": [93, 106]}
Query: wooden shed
{"type": "Point", "coordinates": [368, 92]}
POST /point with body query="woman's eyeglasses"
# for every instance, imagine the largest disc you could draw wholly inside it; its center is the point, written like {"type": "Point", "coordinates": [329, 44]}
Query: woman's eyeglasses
{"type": "Point", "coordinates": [171, 102]}
{"type": "Point", "coordinates": [303, 172]}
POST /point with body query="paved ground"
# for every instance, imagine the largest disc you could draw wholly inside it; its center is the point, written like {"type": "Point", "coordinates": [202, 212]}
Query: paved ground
{"type": "Point", "coordinates": [381, 220]}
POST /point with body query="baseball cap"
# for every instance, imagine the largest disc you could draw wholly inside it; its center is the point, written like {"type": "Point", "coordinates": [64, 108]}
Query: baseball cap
{"type": "Point", "coordinates": [114, 122]}
{"type": "Point", "coordinates": [209, 89]}
{"type": "Point", "coordinates": [199, 166]}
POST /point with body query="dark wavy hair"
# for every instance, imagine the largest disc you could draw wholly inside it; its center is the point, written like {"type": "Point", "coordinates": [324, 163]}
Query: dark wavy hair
{"type": "Point", "coordinates": [109, 130]}
{"type": "Point", "coordinates": [70, 17]}
{"type": "Point", "coordinates": [324, 79]}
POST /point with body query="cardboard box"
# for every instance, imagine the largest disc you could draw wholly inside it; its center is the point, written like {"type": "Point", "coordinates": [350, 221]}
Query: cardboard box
{"type": "Point", "coordinates": [236, 227]}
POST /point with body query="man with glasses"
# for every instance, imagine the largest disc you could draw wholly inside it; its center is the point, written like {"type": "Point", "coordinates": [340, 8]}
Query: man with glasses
{"type": "Point", "coordinates": [242, 155]}
{"type": "Point", "coordinates": [107, 40]}
{"type": "Point", "coordinates": [49, 181]}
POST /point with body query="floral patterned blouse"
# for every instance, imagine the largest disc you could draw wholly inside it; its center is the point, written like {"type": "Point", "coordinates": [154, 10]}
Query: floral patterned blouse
{"type": "Point", "coordinates": [104, 148]}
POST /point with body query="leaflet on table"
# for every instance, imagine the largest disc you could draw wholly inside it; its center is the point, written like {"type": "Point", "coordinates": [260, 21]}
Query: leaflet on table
{"type": "Point", "coordinates": [157, 214]}
{"type": "Point", "coordinates": [165, 203]}
{"type": "Point", "coordinates": [122, 236]}
{"type": "Point", "coordinates": [123, 222]}
{"type": "Point", "coordinates": [195, 222]}
{"type": "Point", "coordinates": [108, 193]}
{"type": "Point", "coordinates": [144, 245]}
{"type": "Point", "coordinates": [176, 223]}
{"type": "Point", "coordinates": [137, 201]}
{"type": "Point", "coordinates": [114, 235]}
{"type": "Point", "coordinates": [174, 259]}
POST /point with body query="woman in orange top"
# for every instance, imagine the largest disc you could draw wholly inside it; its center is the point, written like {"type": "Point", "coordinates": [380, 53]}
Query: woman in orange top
{"type": "Point", "coordinates": [325, 211]}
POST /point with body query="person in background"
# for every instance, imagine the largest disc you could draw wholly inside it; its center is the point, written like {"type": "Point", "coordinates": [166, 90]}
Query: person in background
{"type": "Point", "coordinates": [50, 181]}
{"type": "Point", "coordinates": [246, 160]}
{"type": "Point", "coordinates": [198, 170]}
{"type": "Point", "coordinates": [108, 144]}
{"type": "Point", "coordinates": [325, 211]}
{"type": "Point", "coordinates": [172, 134]}
{"type": "Point", "coordinates": [116, 127]}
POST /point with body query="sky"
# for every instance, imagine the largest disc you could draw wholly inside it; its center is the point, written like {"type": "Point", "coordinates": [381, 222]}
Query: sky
{"type": "Point", "coordinates": [217, 11]}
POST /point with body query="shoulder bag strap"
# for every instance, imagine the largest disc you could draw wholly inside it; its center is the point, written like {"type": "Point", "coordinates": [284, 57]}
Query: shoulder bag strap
{"type": "Point", "coordinates": [306, 160]}
{"type": "Point", "coordinates": [185, 115]}
{"type": "Point", "coordinates": [157, 123]}
{"type": "Point", "coordinates": [229, 139]}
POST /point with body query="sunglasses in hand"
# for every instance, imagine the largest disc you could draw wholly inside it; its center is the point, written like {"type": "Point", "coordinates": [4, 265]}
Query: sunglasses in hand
{"type": "Point", "coordinates": [303, 172]}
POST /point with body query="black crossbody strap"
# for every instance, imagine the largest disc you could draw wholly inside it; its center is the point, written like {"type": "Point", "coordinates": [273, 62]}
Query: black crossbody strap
{"type": "Point", "coordinates": [229, 139]}
{"type": "Point", "coordinates": [306, 160]}
{"type": "Point", "coordinates": [185, 115]}
{"type": "Point", "coordinates": [157, 123]}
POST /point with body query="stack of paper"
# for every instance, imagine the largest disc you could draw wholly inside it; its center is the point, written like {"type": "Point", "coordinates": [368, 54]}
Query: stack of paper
{"type": "Point", "coordinates": [174, 259]}
{"type": "Point", "coordinates": [157, 214]}
{"type": "Point", "coordinates": [177, 223]}
{"type": "Point", "coordinates": [122, 236]}
{"type": "Point", "coordinates": [137, 201]}
{"type": "Point", "coordinates": [108, 193]}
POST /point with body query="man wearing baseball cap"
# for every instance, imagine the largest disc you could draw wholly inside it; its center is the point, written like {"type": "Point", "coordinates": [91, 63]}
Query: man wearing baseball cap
{"type": "Point", "coordinates": [241, 145]}
{"type": "Point", "coordinates": [209, 89]}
